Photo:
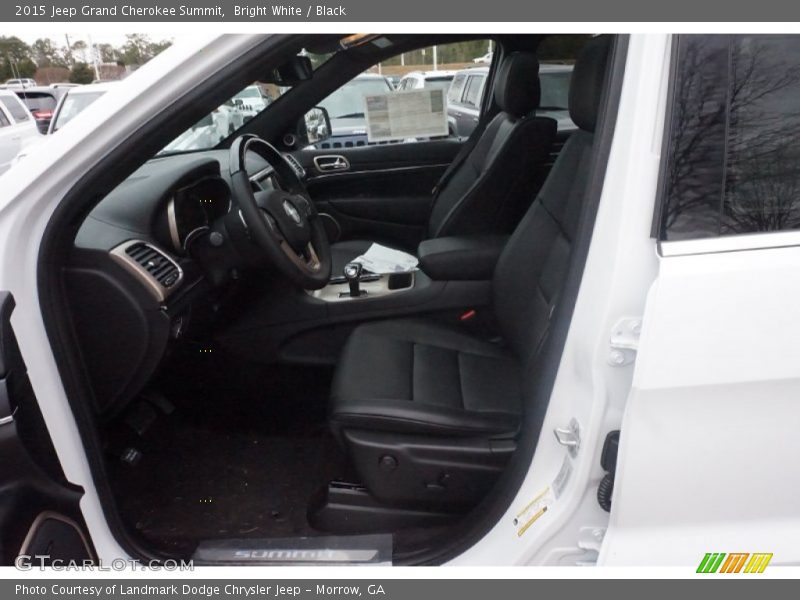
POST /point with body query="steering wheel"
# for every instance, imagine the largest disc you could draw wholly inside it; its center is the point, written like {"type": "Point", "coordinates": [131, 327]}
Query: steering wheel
{"type": "Point", "coordinates": [283, 222]}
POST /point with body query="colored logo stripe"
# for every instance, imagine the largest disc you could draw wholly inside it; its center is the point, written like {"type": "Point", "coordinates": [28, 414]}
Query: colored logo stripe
{"type": "Point", "coordinates": [721, 562]}
{"type": "Point", "coordinates": [711, 562]}
{"type": "Point", "coordinates": [758, 562]}
{"type": "Point", "coordinates": [734, 562]}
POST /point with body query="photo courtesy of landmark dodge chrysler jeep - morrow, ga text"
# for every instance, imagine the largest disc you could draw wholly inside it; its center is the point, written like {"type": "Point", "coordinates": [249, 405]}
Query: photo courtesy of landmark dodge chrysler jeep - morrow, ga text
{"type": "Point", "coordinates": [528, 345]}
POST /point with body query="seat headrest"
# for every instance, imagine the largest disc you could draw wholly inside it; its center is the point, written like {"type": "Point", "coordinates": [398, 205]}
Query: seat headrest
{"type": "Point", "coordinates": [517, 89]}
{"type": "Point", "coordinates": [588, 78]}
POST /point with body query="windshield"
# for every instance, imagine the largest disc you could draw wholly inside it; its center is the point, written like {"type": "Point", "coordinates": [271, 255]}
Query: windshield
{"type": "Point", "coordinates": [555, 90]}
{"type": "Point", "coordinates": [348, 100]}
{"type": "Point", "coordinates": [440, 83]}
{"type": "Point", "coordinates": [39, 102]}
{"type": "Point", "coordinates": [233, 113]}
{"type": "Point", "coordinates": [249, 92]}
{"type": "Point", "coordinates": [73, 105]}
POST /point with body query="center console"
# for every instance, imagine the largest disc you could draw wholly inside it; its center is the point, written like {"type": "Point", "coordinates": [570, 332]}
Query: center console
{"type": "Point", "coordinates": [284, 323]}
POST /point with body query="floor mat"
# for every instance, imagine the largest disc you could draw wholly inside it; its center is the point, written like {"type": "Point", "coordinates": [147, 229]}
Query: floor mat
{"type": "Point", "coordinates": [236, 459]}
{"type": "Point", "coordinates": [204, 484]}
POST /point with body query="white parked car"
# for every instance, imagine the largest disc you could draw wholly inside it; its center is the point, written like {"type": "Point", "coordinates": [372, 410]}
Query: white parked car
{"type": "Point", "coordinates": [422, 80]}
{"type": "Point", "coordinates": [75, 100]}
{"type": "Point", "coordinates": [17, 129]}
{"type": "Point", "coordinates": [252, 99]}
{"type": "Point", "coordinates": [19, 83]}
{"type": "Point", "coordinates": [486, 58]}
{"type": "Point", "coordinates": [72, 102]}
{"type": "Point", "coordinates": [600, 369]}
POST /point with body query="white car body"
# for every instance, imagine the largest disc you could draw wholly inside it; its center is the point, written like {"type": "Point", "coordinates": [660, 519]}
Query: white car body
{"type": "Point", "coordinates": [18, 84]}
{"type": "Point", "coordinates": [708, 401]}
{"type": "Point", "coordinates": [418, 80]}
{"type": "Point", "coordinates": [486, 58]}
{"type": "Point", "coordinates": [16, 134]}
{"type": "Point", "coordinates": [60, 116]}
{"type": "Point", "coordinates": [253, 99]}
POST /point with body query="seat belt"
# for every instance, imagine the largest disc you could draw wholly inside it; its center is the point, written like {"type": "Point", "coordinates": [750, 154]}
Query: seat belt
{"type": "Point", "coordinates": [463, 153]}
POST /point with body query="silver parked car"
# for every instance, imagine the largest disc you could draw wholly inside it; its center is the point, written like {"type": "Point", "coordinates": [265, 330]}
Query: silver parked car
{"type": "Point", "coordinates": [465, 97]}
{"type": "Point", "coordinates": [17, 128]}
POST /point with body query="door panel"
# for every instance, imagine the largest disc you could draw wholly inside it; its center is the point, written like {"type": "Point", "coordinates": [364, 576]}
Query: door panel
{"type": "Point", "coordinates": [713, 409]}
{"type": "Point", "coordinates": [384, 192]}
{"type": "Point", "coordinates": [39, 511]}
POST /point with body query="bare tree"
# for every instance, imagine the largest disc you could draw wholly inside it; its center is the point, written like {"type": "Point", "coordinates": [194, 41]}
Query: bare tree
{"type": "Point", "coordinates": [734, 163]}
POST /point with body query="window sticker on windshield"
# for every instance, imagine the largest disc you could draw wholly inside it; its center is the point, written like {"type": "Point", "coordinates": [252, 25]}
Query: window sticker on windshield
{"type": "Point", "coordinates": [404, 115]}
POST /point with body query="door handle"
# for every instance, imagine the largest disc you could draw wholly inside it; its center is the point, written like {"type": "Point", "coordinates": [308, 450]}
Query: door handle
{"type": "Point", "coordinates": [331, 162]}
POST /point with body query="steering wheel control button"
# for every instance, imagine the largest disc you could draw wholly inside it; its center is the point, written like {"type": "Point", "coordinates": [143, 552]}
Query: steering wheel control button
{"type": "Point", "coordinates": [216, 239]}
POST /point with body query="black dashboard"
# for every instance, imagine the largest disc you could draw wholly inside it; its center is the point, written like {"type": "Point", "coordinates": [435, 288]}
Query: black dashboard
{"type": "Point", "coordinates": [143, 272]}
{"type": "Point", "coordinates": [196, 184]}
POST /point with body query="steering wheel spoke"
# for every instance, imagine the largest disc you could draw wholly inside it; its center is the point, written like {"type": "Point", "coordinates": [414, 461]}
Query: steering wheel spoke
{"type": "Point", "coordinates": [307, 259]}
{"type": "Point", "coordinates": [306, 205]}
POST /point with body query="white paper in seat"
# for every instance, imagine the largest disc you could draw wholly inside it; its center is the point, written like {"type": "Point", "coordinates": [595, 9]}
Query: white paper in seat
{"type": "Point", "coordinates": [380, 259]}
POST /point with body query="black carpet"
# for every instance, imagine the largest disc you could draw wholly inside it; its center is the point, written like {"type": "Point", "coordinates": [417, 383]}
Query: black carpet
{"type": "Point", "coordinates": [240, 456]}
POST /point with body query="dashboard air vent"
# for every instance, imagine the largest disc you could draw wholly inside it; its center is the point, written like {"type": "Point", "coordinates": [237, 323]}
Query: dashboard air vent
{"type": "Point", "coordinates": [163, 270]}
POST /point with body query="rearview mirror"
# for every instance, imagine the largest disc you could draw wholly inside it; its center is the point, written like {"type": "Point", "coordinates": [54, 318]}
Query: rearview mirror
{"type": "Point", "coordinates": [290, 73]}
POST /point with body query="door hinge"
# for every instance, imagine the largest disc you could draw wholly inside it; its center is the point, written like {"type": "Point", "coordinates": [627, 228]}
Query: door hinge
{"type": "Point", "coordinates": [624, 341]}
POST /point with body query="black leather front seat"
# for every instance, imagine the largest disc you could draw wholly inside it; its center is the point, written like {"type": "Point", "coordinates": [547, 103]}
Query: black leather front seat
{"type": "Point", "coordinates": [482, 195]}
{"type": "Point", "coordinates": [428, 413]}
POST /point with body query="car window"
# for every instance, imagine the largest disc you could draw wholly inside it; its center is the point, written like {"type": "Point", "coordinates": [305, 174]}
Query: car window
{"type": "Point", "coordinates": [733, 164]}
{"type": "Point", "coordinates": [249, 92]}
{"type": "Point", "coordinates": [437, 83]}
{"type": "Point", "coordinates": [431, 68]}
{"type": "Point", "coordinates": [4, 122]}
{"type": "Point", "coordinates": [38, 101]}
{"type": "Point", "coordinates": [232, 114]}
{"type": "Point", "coordinates": [15, 107]}
{"type": "Point", "coordinates": [555, 89]}
{"type": "Point", "coordinates": [348, 101]}
{"type": "Point", "coordinates": [73, 105]}
{"type": "Point", "coordinates": [472, 95]}
{"type": "Point", "coordinates": [456, 87]}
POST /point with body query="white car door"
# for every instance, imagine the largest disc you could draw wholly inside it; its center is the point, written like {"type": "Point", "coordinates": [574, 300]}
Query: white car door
{"type": "Point", "coordinates": [707, 468]}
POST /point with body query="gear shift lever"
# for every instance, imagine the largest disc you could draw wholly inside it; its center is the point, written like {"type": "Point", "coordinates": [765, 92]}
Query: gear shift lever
{"type": "Point", "coordinates": [352, 272]}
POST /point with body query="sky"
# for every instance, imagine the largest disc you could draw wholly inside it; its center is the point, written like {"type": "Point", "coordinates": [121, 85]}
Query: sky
{"type": "Point", "coordinates": [98, 37]}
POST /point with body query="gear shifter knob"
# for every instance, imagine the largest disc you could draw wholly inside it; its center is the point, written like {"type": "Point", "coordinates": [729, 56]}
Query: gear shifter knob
{"type": "Point", "coordinates": [352, 272]}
